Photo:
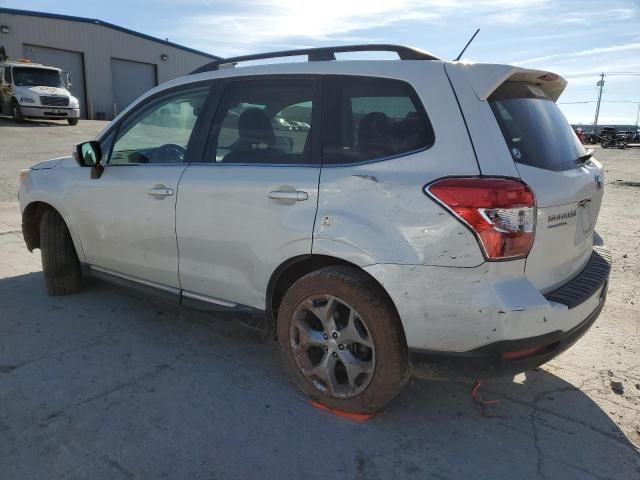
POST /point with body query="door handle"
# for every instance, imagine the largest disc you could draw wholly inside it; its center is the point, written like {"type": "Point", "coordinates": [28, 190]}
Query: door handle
{"type": "Point", "coordinates": [160, 191]}
{"type": "Point", "coordinates": [297, 195]}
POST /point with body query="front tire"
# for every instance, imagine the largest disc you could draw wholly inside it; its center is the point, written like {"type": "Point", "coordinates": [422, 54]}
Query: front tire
{"type": "Point", "coordinates": [72, 121]}
{"type": "Point", "coordinates": [342, 340]}
{"type": "Point", "coordinates": [60, 263]}
{"type": "Point", "coordinates": [16, 113]}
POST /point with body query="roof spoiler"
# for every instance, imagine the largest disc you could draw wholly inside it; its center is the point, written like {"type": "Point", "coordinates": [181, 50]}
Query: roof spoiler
{"type": "Point", "coordinates": [485, 78]}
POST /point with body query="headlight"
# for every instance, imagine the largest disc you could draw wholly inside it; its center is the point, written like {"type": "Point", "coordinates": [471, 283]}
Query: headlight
{"type": "Point", "coordinates": [73, 102]}
{"type": "Point", "coordinates": [27, 100]}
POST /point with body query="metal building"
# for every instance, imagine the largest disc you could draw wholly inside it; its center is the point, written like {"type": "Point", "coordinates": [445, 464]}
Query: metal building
{"type": "Point", "coordinates": [109, 66]}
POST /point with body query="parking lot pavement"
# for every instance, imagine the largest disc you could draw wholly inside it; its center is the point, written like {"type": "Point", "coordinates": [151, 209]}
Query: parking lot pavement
{"type": "Point", "coordinates": [108, 384]}
{"type": "Point", "coordinates": [23, 144]}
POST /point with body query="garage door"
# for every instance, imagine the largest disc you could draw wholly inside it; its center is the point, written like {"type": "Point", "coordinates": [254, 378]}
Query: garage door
{"type": "Point", "coordinates": [130, 80]}
{"type": "Point", "coordinates": [71, 62]}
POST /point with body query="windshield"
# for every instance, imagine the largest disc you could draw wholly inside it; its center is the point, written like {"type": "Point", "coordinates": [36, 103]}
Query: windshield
{"type": "Point", "coordinates": [534, 128]}
{"type": "Point", "coordinates": [36, 77]}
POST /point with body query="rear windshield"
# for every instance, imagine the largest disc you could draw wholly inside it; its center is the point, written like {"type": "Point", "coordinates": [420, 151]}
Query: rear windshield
{"type": "Point", "coordinates": [534, 128]}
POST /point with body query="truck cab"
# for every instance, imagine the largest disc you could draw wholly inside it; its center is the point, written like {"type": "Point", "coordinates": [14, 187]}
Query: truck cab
{"type": "Point", "coordinates": [34, 91]}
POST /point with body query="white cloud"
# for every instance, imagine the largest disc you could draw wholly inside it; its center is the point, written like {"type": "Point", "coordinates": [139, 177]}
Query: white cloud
{"type": "Point", "coordinates": [580, 53]}
{"type": "Point", "coordinates": [259, 25]}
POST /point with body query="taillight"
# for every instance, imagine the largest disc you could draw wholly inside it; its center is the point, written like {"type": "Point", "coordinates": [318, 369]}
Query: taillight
{"type": "Point", "coordinates": [500, 211]}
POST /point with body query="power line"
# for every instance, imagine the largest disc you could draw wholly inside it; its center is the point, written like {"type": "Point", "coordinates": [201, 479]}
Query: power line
{"type": "Point", "coordinates": [601, 101]}
{"type": "Point", "coordinates": [594, 74]}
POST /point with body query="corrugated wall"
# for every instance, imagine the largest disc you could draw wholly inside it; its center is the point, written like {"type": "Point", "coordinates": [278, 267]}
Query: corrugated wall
{"type": "Point", "coordinates": [98, 44]}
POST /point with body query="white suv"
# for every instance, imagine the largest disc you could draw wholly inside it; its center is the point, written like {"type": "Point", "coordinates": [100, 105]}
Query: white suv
{"type": "Point", "coordinates": [437, 217]}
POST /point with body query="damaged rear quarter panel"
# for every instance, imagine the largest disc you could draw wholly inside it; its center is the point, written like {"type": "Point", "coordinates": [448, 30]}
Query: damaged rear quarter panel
{"type": "Point", "coordinates": [390, 220]}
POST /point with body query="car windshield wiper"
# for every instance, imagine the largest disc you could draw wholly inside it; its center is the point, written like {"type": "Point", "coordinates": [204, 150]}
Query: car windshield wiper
{"type": "Point", "coordinates": [584, 158]}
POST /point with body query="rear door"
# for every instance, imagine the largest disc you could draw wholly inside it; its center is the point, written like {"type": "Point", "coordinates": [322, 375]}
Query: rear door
{"type": "Point", "coordinates": [567, 184]}
{"type": "Point", "coordinates": [251, 204]}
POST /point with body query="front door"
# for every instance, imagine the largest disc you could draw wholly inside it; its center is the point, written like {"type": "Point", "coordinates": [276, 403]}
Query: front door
{"type": "Point", "coordinates": [5, 89]}
{"type": "Point", "coordinates": [251, 204]}
{"type": "Point", "coordinates": [126, 218]}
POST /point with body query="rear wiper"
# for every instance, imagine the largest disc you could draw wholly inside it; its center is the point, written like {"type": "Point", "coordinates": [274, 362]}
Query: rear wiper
{"type": "Point", "coordinates": [584, 158]}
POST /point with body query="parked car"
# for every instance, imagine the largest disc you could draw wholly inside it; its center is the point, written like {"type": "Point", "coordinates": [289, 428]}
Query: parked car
{"type": "Point", "coordinates": [300, 126]}
{"type": "Point", "coordinates": [279, 123]}
{"type": "Point", "coordinates": [31, 90]}
{"type": "Point", "coordinates": [380, 242]}
{"type": "Point", "coordinates": [610, 137]}
{"type": "Point", "coordinates": [631, 136]}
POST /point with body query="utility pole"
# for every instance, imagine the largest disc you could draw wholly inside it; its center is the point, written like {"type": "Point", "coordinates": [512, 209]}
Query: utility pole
{"type": "Point", "coordinates": [599, 84]}
{"type": "Point", "coordinates": [638, 116]}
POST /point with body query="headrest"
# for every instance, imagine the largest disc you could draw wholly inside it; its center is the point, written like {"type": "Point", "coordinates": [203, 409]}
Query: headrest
{"type": "Point", "coordinates": [254, 126]}
{"type": "Point", "coordinates": [373, 129]}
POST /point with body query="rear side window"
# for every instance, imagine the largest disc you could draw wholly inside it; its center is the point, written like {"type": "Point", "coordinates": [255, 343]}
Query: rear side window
{"type": "Point", "coordinates": [535, 130]}
{"type": "Point", "coordinates": [370, 118]}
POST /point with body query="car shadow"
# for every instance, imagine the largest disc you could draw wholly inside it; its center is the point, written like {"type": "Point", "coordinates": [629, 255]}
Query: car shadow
{"type": "Point", "coordinates": [8, 122]}
{"type": "Point", "coordinates": [114, 384]}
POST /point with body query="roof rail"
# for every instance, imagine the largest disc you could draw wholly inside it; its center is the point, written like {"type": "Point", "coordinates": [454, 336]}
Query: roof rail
{"type": "Point", "coordinates": [323, 54]}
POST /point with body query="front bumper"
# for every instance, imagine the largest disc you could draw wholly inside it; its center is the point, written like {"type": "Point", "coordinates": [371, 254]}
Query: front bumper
{"type": "Point", "coordinates": [53, 113]}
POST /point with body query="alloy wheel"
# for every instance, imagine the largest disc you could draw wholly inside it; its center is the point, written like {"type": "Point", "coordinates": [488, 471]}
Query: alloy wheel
{"type": "Point", "coordinates": [332, 346]}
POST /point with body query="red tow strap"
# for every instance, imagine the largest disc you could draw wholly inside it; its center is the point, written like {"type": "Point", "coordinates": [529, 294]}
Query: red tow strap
{"type": "Point", "coordinates": [477, 397]}
{"type": "Point", "coordinates": [357, 417]}
{"type": "Point", "coordinates": [362, 417]}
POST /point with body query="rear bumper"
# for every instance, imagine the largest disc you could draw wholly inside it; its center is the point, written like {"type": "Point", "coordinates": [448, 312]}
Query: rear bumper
{"type": "Point", "coordinates": [494, 360]}
{"type": "Point", "coordinates": [469, 317]}
{"type": "Point", "coordinates": [54, 113]}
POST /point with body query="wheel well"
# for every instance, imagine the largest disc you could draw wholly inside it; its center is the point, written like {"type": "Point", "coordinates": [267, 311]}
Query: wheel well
{"type": "Point", "coordinates": [293, 269]}
{"type": "Point", "coordinates": [31, 223]}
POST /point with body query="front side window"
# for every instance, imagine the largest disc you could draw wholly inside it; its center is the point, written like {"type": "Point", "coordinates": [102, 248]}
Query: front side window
{"type": "Point", "coordinates": [264, 121]}
{"type": "Point", "coordinates": [7, 75]}
{"type": "Point", "coordinates": [372, 118]}
{"type": "Point", "coordinates": [37, 77]}
{"type": "Point", "coordinates": [160, 132]}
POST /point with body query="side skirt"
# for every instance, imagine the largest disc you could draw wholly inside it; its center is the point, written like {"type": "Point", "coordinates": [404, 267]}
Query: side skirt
{"type": "Point", "coordinates": [171, 294]}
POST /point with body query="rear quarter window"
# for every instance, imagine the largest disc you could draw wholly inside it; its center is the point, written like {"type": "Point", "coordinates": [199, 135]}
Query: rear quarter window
{"type": "Point", "coordinates": [534, 128]}
{"type": "Point", "coordinates": [368, 119]}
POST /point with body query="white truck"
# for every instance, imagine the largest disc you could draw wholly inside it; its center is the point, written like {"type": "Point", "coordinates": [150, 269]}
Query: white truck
{"type": "Point", "coordinates": [31, 90]}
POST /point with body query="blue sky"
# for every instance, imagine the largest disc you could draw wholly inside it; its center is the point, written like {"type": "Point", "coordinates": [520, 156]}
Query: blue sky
{"type": "Point", "coordinates": [576, 39]}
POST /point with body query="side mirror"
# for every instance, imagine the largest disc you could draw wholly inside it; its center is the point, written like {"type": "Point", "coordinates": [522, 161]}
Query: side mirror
{"type": "Point", "coordinates": [89, 154]}
{"type": "Point", "coordinates": [66, 77]}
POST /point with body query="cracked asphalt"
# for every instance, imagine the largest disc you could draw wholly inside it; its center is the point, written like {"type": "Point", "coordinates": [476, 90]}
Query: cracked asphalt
{"type": "Point", "coordinates": [110, 384]}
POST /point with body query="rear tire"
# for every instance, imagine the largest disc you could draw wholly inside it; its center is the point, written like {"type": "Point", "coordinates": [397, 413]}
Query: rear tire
{"type": "Point", "coordinates": [72, 121]}
{"type": "Point", "coordinates": [16, 113]}
{"type": "Point", "coordinates": [376, 374]}
{"type": "Point", "coordinates": [60, 263]}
